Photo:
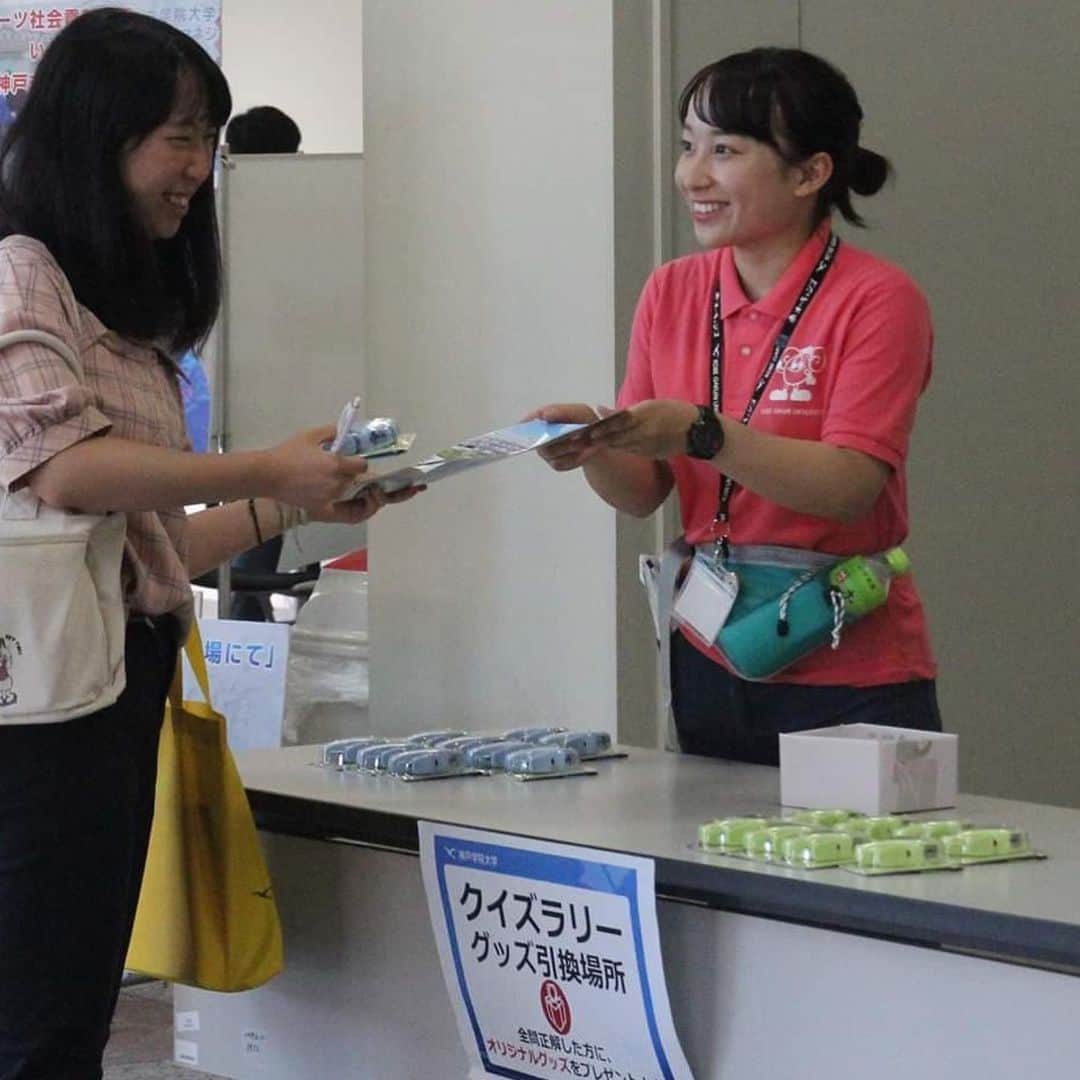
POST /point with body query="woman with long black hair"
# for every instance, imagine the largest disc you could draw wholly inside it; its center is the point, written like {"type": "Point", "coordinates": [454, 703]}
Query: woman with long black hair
{"type": "Point", "coordinates": [109, 243]}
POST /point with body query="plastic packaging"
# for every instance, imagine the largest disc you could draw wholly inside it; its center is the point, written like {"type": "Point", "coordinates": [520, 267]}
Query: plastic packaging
{"type": "Point", "coordinates": [728, 835]}
{"type": "Point", "coordinates": [930, 830]}
{"type": "Point", "coordinates": [587, 744]}
{"type": "Point", "coordinates": [464, 743]}
{"type": "Point", "coordinates": [542, 761]}
{"type": "Point", "coordinates": [492, 755]}
{"type": "Point", "coordinates": [425, 763]}
{"type": "Point", "coordinates": [434, 738]}
{"type": "Point", "coordinates": [999, 844]}
{"type": "Point", "coordinates": [809, 613]}
{"type": "Point", "coordinates": [344, 751]}
{"type": "Point", "coordinates": [375, 435]}
{"type": "Point", "coordinates": [532, 734]}
{"type": "Point", "coordinates": [768, 843]}
{"type": "Point", "coordinates": [826, 819]}
{"type": "Point", "coordinates": [900, 856]}
{"type": "Point", "coordinates": [819, 849]}
{"type": "Point", "coordinates": [375, 758]}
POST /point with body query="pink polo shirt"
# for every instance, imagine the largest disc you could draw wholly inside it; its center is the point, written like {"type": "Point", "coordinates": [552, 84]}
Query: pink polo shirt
{"type": "Point", "coordinates": [851, 376]}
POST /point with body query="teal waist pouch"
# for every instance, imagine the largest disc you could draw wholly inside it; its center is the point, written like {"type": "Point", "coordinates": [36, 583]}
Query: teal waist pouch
{"type": "Point", "coordinates": [784, 609]}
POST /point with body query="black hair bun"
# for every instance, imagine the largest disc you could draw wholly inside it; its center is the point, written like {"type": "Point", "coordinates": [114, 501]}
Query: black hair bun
{"type": "Point", "coordinates": [869, 172]}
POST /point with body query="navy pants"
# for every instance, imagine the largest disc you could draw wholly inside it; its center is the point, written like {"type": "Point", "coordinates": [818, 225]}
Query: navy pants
{"type": "Point", "coordinates": [76, 801]}
{"type": "Point", "coordinates": [717, 714]}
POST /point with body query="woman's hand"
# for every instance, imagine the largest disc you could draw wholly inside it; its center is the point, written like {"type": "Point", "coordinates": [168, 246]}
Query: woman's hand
{"type": "Point", "coordinates": [653, 429]}
{"type": "Point", "coordinates": [301, 473]}
{"type": "Point", "coordinates": [573, 450]}
{"type": "Point", "coordinates": [369, 502]}
{"type": "Point", "coordinates": [310, 477]}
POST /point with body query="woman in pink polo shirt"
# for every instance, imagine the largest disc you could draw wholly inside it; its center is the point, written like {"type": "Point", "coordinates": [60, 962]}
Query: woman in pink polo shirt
{"type": "Point", "coordinates": [773, 380]}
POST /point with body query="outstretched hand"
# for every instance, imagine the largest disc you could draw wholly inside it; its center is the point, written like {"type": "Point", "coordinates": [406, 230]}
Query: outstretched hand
{"type": "Point", "coordinates": [652, 429]}
{"type": "Point", "coordinates": [573, 450]}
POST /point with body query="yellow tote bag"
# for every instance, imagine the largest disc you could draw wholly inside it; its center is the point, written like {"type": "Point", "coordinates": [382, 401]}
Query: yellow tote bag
{"type": "Point", "coordinates": [206, 914]}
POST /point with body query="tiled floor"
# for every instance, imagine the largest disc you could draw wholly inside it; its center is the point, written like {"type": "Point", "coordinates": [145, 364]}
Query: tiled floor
{"type": "Point", "coordinates": [141, 1045]}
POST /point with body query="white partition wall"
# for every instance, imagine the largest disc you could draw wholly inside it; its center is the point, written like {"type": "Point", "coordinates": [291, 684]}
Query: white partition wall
{"type": "Point", "coordinates": [291, 331]}
{"type": "Point", "coordinates": [509, 235]}
{"type": "Point", "coordinates": [490, 217]}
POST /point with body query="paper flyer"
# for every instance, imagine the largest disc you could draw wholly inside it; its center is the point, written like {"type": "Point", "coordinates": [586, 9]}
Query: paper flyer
{"type": "Point", "coordinates": [470, 453]}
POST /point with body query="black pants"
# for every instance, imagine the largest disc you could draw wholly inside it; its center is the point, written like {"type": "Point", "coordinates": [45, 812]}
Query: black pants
{"type": "Point", "coordinates": [717, 714]}
{"type": "Point", "coordinates": [76, 800]}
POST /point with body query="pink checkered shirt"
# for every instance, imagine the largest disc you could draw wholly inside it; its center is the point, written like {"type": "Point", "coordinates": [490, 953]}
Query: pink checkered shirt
{"type": "Point", "coordinates": [130, 390]}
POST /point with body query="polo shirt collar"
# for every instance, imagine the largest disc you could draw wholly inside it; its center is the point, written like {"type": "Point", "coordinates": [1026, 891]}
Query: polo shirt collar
{"type": "Point", "coordinates": [780, 299]}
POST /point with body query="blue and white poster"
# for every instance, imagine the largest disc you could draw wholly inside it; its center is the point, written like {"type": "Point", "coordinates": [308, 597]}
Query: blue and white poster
{"type": "Point", "coordinates": [26, 31]}
{"type": "Point", "coordinates": [551, 954]}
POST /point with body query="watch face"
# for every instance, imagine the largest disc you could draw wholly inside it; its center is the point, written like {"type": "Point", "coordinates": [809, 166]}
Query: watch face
{"type": "Point", "coordinates": [706, 436]}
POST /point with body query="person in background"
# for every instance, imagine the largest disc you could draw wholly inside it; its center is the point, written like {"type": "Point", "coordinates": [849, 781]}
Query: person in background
{"type": "Point", "coordinates": [108, 241]}
{"type": "Point", "coordinates": [796, 443]}
{"type": "Point", "coordinates": [261, 130]}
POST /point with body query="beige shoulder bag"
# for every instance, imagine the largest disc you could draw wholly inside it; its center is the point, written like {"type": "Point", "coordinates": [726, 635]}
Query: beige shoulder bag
{"type": "Point", "coordinates": [61, 606]}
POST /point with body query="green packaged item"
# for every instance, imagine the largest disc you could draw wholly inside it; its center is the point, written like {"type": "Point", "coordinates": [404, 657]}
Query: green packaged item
{"type": "Point", "coordinates": [768, 843]}
{"type": "Point", "coordinates": [895, 856]}
{"type": "Point", "coordinates": [825, 819]}
{"type": "Point", "coordinates": [819, 849]}
{"type": "Point", "coordinates": [930, 830]}
{"type": "Point", "coordinates": [881, 828]}
{"type": "Point", "coordinates": [728, 835]}
{"type": "Point", "coordinates": [996, 844]}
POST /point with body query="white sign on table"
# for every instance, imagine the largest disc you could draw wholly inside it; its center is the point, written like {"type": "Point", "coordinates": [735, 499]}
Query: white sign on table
{"type": "Point", "coordinates": [551, 954]}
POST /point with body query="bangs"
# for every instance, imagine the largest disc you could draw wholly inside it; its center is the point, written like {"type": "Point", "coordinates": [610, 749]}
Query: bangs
{"type": "Point", "coordinates": [734, 101]}
{"type": "Point", "coordinates": [201, 95]}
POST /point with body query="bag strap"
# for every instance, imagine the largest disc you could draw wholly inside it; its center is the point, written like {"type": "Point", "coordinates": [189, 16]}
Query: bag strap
{"type": "Point", "coordinates": [194, 651]}
{"type": "Point", "coordinates": [23, 505]}
{"type": "Point", "coordinates": [50, 341]}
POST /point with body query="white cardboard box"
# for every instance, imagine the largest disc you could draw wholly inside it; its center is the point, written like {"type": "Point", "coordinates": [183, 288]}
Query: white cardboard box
{"type": "Point", "coordinates": [868, 767]}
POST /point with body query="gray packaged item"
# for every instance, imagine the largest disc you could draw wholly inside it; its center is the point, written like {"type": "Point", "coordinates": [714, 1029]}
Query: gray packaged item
{"type": "Point", "coordinates": [344, 751]}
{"type": "Point", "coordinates": [587, 743]}
{"type": "Point", "coordinates": [531, 734]}
{"type": "Point", "coordinates": [492, 755]}
{"type": "Point", "coordinates": [541, 761]}
{"type": "Point", "coordinates": [467, 742]}
{"type": "Point", "coordinates": [374, 758]}
{"type": "Point", "coordinates": [425, 762]}
{"type": "Point", "coordinates": [433, 738]}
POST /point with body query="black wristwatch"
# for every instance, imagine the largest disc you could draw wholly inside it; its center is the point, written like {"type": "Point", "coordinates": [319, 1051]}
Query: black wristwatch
{"type": "Point", "coordinates": [705, 436]}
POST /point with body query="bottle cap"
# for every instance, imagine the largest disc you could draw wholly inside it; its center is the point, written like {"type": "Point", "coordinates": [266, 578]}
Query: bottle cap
{"type": "Point", "coordinates": [897, 561]}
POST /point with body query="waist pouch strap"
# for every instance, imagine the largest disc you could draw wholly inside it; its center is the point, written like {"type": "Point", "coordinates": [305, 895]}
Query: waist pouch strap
{"type": "Point", "coordinates": [671, 561]}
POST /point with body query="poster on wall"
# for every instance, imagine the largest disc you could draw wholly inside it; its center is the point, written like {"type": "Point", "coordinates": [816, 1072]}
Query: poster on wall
{"type": "Point", "coordinates": [25, 31]}
{"type": "Point", "coordinates": [551, 955]}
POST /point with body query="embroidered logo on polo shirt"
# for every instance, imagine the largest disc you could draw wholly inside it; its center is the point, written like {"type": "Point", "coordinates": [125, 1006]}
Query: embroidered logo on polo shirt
{"type": "Point", "coordinates": [798, 368]}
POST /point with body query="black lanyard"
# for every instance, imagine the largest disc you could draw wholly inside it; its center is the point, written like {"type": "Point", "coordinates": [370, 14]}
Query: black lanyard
{"type": "Point", "coordinates": [813, 283]}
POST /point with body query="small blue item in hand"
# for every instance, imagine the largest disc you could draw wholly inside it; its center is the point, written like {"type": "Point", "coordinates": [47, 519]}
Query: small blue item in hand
{"type": "Point", "coordinates": [357, 436]}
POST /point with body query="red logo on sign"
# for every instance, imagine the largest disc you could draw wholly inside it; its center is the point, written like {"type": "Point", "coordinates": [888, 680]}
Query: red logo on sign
{"type": "Point", "coordinates": [556, 1007]}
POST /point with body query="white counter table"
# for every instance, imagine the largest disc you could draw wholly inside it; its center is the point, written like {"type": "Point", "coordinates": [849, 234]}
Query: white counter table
{"type": "Point", "coordinates": [772, 972]}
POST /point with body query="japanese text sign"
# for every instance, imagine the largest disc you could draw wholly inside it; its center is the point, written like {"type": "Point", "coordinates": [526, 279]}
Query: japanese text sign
{"type": "Point", "coordinates": [26, 30]}
{"type": "Point", "coordinates": [552, 957]}
{"type": "Point", "coordinates": [246, 663]}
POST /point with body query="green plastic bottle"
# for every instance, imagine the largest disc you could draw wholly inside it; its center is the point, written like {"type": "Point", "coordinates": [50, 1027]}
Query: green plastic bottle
{"type": "Point", "coordinates": [864, 582]}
